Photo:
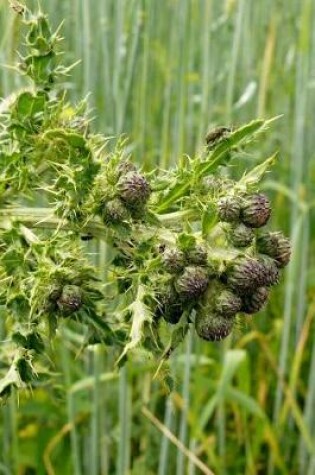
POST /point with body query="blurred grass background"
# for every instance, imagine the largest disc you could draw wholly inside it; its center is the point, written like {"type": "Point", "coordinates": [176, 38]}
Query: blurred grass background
{"type": "Point", "coordinates": [163, 72]}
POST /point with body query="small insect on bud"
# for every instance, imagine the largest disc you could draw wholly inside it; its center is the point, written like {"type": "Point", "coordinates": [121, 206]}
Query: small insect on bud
{"type": "Point", "coordinates": [229, 209]}
{"type": "Point", "coordinates": [256, 210]}
{"type": "Point", "coordinates": [245, 274]}
{"type": "Point", "coordinates": [217, 135]}
{"type": "Point", "coordinates": [270, 274]}
{"type": "Point", "coordinates": [198, 255]}
{"type": "Point", "coordinates": [275, 245]}
{"type": "Point", "coordinates": [227, 303]}
{"type": "Point", "coordinates": [114, 212]}
{"type": "Point", "coordinates": [134, 189]}
{"type": "Point", "coordinates": [173, 260]}
{"type": "Point", "coordinates": [240, 235]}
{"type": "Point", "coordinates": [211, 326]}
{"type": "Point", "coordinates": [254, 302]}
{"type": "Point", "coordinates": [192, 283]}
{"type": "Point", "coordinates": [70, 300]}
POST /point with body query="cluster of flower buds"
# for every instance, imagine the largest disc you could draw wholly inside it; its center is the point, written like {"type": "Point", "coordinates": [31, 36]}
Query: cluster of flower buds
{"type": "Point", "coordinates": [244, 285]}
{"type": "Point", "coordinates": [124, 194]}
{"type": "Point", "coordinates": [222, 289]}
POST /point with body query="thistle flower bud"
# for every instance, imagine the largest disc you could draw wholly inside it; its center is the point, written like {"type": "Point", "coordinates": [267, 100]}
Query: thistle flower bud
{"type": "Point", "coordinates": [256, 210]}
{"type": "Point", "coordinates": [229, 209]}
{"type": "Point", "coordinates": [254, 302]}
{"type": "Point", "coordinates": [134, 189]}
{"type": "Point", "coordinates": [169, 306]}
{"type": "Point", "coordinates": [126, 166]}
{"type": "Point", "coordinates": [275, 245]}
{"type": "Point", "coordinates": [227, 303]}
{"type": "Point", "coordinates": [211, 326]}
{"type": "Point", "coordinates": [245, 274]}
{"type": "Point", "coordinates": [70, 300]}
{"type": "Point", "coordinates": [173, 260]}
{"type": "Point", "coordinates": [270, 274]}
{"type": "Point", "coordinates": [198, 255]}
{"type": "Point", "coordinates": [192, 283]}
{"type": "Point", "coordinates": [114, 212]}
{"type": "Point", "coordinates": [240, 235]}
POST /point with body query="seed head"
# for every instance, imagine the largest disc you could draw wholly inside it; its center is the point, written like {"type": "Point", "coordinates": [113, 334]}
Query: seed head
{"type": "Point", "coordinates": [275, 245]}
{"type": "Point", "coordinates": [211, 326]}
{"type": "Point", "coordinates": [70, 300]}
{"type": "Point", "coordinates": [229, 209]}
{"type": "Point", "coordinates": [192, 283]}
{"type": "Point", "coordinates": [173, 260]}
{"type": "Point", "coordinates": [114, 212]}
{"type": "Point", "coordinates": [240, 235]}
{"type": "Point", "coordinates": [134, 189]}
{"type": "Point", "coordinates": [254, 302]}
{"type": "Point", "coordinates": [256, 210]}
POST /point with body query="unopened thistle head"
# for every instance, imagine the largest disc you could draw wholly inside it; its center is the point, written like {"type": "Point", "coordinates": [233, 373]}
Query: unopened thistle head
{"type": "Point", "coordinates": [254, 302]}
{"type": "Point", "coordinates": [192, 283]}
{"type": "Point", "coordinates": [256, 210]}
{"type": "Point", "coordinates": [173, 260]}
{"type": "Point", "coordinates": [229, 209]}
{"type": "Point", "coordinates": [275, 245]}
{"type": "Point", "coordinates": [227, 303]}
{"type": "Point", "coordinates": [211, 326]}
{"type": "Point", "coordinates": [245, 274]}
{"type": "Point", "coordinates": [114, 212]}
{"type": "Point", "coordinates": [70, 300]}
{"type": "Point", "coordinates": [134, 190]}
{"type": "Point", "coordinates": [240, 235]}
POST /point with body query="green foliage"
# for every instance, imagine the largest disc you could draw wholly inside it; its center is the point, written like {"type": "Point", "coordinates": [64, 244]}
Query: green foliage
{"type": "Point", "coordinates": [162, 75]}
{"type": "Point", "coordinates": [45, 277]}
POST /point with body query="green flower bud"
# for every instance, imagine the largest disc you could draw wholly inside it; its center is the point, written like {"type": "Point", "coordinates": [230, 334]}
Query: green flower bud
{"type": "Point", "coordinates": [198, 256]}
{"type": "Point", "coordinates": [229, 209]}
{"type": "Point", "coordinates": [240, 235]}
{"type": "Point", "coordinates": [227, 303]}
{"type": "Point", "coordinates": [173, 260]}
{"type": "Point", "coordinates": [254, 302]}
{"type": "Point", "coordinates": [212, 184]}
{"type": "Point", "coordinates": [245, 274]}
{"type": "Point", "coordinates": [275, 245]}
{"type": "Point", "coordinates": [126, 166]}
{"type": "Point", "coordinates": [114, 212]}
{"type": "Point", "coordinates": [256, 210]}
{"type": "Point", "coordinates": [270, 274]}
{"type": "Point", "coordinates": [70, 300]}
{"type": "Point", "coordinates": [192, 283]}
{"type": "Point", "coordinates": [211, 326]}
{"type": "Point", "coordinates": [134, 189]}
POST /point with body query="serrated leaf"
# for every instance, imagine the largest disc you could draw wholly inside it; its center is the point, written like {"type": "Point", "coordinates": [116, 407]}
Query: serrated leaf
{"type": "Point", "coordinates": [208, 220]}
{"type": "Point", "coordinates": [256, 174]}
{"type": "Point", "coordinates": [219, 154]}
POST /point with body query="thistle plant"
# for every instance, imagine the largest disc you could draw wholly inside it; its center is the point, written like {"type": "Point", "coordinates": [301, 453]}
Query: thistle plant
{"type": "Point", "coordinates": [187, 248]}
